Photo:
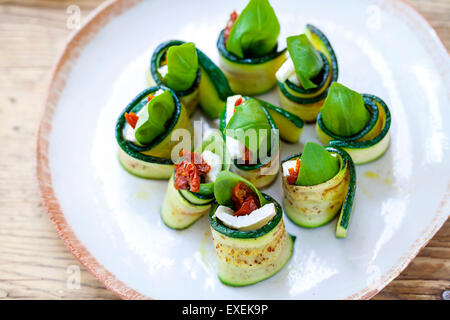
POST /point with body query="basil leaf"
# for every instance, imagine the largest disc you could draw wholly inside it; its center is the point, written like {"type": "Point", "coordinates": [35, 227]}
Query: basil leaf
{"type": "Point", "coordinates": [343, 111]}
{"type": "Point", "coordinates": [317, 165]}
{"type": "Point", "coordinates": [182, 63]}
{"type": "Point", "coordinates": [250, 122]}
{"type": "Point", "coordinates": [255, 31]}
{"type": "Point", "coordinates": [307, 60]}
{"type": "Point", "coordinates": [224, 184]}
{"type": "Point", "coordinates": [152, 120]}
{"type": "Point", "coordinates": [206, 189]}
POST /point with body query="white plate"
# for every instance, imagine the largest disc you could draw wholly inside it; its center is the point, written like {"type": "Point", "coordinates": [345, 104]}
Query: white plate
{"type": "Point", "coordinates": [110, 219]}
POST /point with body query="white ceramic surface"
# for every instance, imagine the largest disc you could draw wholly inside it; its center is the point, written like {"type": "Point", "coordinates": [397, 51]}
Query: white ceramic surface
{"type": "Point", "coordinates": [383, 48]}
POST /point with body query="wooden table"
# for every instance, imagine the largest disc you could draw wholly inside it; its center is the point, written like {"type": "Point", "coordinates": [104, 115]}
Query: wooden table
{"type": "Point", "coordinates": [34, 263]}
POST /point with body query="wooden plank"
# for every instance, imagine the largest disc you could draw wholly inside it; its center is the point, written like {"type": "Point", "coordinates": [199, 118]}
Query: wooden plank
{"type": "Point", "coordinates": [34, 263]}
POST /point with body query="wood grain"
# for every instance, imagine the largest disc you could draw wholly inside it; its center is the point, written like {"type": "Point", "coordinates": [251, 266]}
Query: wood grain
{"type": "Point", "coordinates": [34, 263]}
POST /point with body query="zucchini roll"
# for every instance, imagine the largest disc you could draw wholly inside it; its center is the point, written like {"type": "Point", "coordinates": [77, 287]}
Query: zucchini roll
{"type": "Point", "coordinates": [190, 191]}
{"type": "Point", "coordinates": [247, 227]}
{"type": "Point", "coordinates": [317, 185]}
{"type": "Point", "coordinates": [304, 78]}
{"type": "Point", "coordinates": [143, 132]}
{"type": "Point", "coordinates": [191, 74]}
{"type": "Point", "coordinates": [250, 130]}
{"type": "Point", "coordinates": [357, 123]}
{"type": "Point", "coordinates": [248, 49]}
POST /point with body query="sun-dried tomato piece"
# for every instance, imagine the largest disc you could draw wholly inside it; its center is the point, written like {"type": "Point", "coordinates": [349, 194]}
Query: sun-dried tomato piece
{"type": "Point", "coordinates": [186, 177]}
{"type": "Point", "coordinates": [248, 156]}
{"type": "Point", "coordinates": [238, 101]}
{"type": "Point", "coordinates": [239, 193]}
{"type": "Point", "coordinates": [250, 204]}
{"type": "Point", "coordinates": [230, 23]}
{"type": "Point", "coordinates": [131, 118]}
{"type": "Point", "coordinates": [293, 173]}
{"type": "Point", "coordinates": [190, 172]}
{"type": "Point", "coordinates": [202, 166]}
{"type": "Point", "coordinates": [244, 199]}
{"type": "Point", "coordinates": [150, 97]}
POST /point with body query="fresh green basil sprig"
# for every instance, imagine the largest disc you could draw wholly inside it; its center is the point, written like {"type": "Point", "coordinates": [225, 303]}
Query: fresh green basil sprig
{"type": "Point", "coordinates": [182, 63]}
{"type": "Point", "coordinates": [317, 165]}
{"type": "Point", "coordinates": [248, 118]}
{"type": "Point", "coordinates": [344, 112]}
{"type": "Point", "coordinates": [255, 32]}
{"type": "Point", "coordinates": [152, 121]}
{"type": "Point", "coordinates": [307, 60]}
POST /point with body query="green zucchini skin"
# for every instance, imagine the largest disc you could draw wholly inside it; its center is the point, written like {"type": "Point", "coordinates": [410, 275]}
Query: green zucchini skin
{"type": "Point", "coordinates": [196, 198]}
{"type": "Point", "coordinates": [210, 89]}
{"type": "Point", "coordinates": [371, 142]}
{"type": "Point", "coordinates": [248, 257]}
{"type": "Point", "coordinates": [150, 161]}
{"type": "Point", "coordinates": [177, 212]}
{"type": "Point", "coordinates": [290, 129]}
{"type": "Point", "coordinates": [315, 206]}
{"type": "Point", "coordinates": [347, 207]}
{"type": "Point", "coordinates": [181, 208]}
{"type": "Point", "coordinates": [260, 174]}
{"type": "Point", "coordinates": [214, 87]}
{"type": "Point", "coordinates": [289, 125]}
{"type": "Point", "coordinates": [155, 62]}
{"type": "Point", "coordinates": [249, 76]}
{"type": "Point", "coordinates": [306, 103]}
{"type": "Point", "coordinates": [188, 97]}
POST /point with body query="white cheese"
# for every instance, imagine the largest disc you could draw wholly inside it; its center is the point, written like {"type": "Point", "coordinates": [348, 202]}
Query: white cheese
{"type": "Point", "coordinates": [214, 162]}
{"type": "Point", "coordinates": [231, 101]}
{"type": "Point", "coordinates": [287, 165]}
{"type": "Point", "coordinates": [294, 79]}
{"type": "Point", "coordinates": [157, 93]}
{"type": "Point", "coordinates": [235, 148]}
{"type": "Point", "coordinates": [253, 221]}
{"type": "Point", "coordinates": [129, 131]}
{"type": "Point", "coordinates": [163, 70]}
{"type": "Point", "coordinates": [286, 70]}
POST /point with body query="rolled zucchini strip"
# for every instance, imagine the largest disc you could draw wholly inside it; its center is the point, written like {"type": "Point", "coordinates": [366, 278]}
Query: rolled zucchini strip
{"type": "Point", "coordinates": [288, 124]}
{"type": "Point", "coordinates": [371, 142]}
{"type": "Point", "coordinates": [190, 97]}
{"type": "Point", "coordinates": [181, 208]}
{"type": "Point", "coordinates": [306, 103]}
{"type": "Point", "coordinates": [249, 76]}
{"type": "Point", "coordinates": [210, 89]}
{"type": "Point", "coordinates": [314, 206]}
{"type": "Point", "coordinates": [151, 161]}
{"type": "Point", "coordinates": [248, 257]}
{"type": "Point", "coordinates": [289, 128]}
{"type": "Point", "coordinates": [258, 174]}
